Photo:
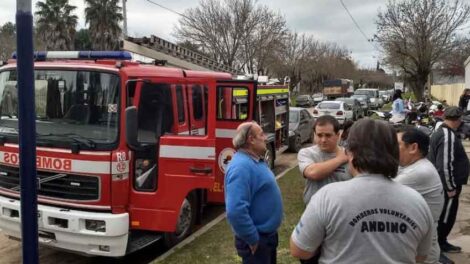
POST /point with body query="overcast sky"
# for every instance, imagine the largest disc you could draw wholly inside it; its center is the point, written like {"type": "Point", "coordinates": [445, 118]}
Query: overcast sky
{"type": "Point", "coordinates": [326, 20]}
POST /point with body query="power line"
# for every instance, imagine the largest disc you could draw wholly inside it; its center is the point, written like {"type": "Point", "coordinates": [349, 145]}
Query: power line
{"type": "Point", "coordinates": [357, 25]}
{"type": "Point", "coordinates": [166, 8]}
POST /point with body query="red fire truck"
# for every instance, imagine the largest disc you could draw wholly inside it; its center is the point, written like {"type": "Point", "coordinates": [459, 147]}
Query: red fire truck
{"type": "Point", "coordinates": [127, 153]}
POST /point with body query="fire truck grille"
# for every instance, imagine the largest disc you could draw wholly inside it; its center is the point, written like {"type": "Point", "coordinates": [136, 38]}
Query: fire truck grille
{"type": "Point", "coordinates": [54, 185]}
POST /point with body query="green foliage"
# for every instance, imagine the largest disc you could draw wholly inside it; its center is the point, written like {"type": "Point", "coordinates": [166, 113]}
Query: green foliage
{"type": "Point", "coordinates": [7, 40]}
{"type": "Point", "coordinates": [56, 24]}
{"type": "Point", "coordinates": [217, 245]}
{"type": "Point", "coordinates": [104, 17]}
{"type": "Point", "coordinates": [83, 40]}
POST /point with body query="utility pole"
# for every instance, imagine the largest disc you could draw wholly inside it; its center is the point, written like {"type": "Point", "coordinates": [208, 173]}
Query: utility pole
{"type": "Point", "coordinates": [27, 131]}
{"type": "Point", "coordinates": [124, 15]}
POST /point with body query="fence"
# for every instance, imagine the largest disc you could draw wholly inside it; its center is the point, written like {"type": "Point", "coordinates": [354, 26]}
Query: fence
{"type": "Point", "coordinates": [449, 92]}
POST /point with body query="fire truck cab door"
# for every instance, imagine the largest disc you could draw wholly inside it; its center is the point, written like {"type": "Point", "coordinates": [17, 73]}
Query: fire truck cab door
{"type": "Point", "coordinates": [184, 161]}
{"type": "Point", "coordinates": [235, 104]}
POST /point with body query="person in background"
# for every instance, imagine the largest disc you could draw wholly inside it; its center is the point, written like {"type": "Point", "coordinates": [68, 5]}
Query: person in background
{"type": "Point", "coordinates": [420, 174]}
{"type": "Point", "coordinates": [448, 155]}
{"type": "Point", "coordinates": [370, 218]}
{"type": "Point", "coordinates": [463, 100]}
{"type": "Point", "coordinates": [398, 108]}
{"type": "Point", "coordinates": [249, 183]}
{"type": "Point", "coordinates": [439, 112]}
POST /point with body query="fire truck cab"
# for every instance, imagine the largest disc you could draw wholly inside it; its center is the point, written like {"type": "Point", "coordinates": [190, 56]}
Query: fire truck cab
{"type": "Point", "coordinates": [127, 154]}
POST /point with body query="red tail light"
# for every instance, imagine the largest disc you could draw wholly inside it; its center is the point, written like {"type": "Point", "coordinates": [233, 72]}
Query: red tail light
{"type": "Point", "coordinates": [315, 112]}
{"type": "Point", "coordinates": [339, 113]}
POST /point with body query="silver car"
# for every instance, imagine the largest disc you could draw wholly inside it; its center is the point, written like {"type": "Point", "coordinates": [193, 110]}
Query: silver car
{"type": "Point", "coordinates": [301, 124]}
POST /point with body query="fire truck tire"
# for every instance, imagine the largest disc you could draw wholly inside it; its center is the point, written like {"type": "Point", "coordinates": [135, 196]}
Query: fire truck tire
{"type": "Point", "coordinates": [269, 156]}
{"type": "Point", "coordinates": [186, 221]}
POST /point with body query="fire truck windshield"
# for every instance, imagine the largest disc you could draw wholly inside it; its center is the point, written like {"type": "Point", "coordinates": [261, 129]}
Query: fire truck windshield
{"type": "Point", "coordinates": [68, 102]}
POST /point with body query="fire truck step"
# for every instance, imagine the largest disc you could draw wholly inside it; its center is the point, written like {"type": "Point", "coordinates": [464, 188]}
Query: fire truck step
{"type": "Point", "coordinates": [140, 239]}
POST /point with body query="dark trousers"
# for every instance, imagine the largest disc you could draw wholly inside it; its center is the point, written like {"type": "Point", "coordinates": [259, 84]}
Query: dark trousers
{"type": "Point", "coordinates": [448, 215]}
{"type": "Point", "coordinates": [264, 254]}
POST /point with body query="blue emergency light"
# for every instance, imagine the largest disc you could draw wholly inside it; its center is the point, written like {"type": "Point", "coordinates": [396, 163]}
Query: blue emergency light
{"type": "Point", "coordinates": [77, 55]}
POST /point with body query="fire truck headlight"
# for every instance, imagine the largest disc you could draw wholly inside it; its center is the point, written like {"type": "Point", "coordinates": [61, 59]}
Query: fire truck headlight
{"type": "Point", "coordinates": [95, 225]}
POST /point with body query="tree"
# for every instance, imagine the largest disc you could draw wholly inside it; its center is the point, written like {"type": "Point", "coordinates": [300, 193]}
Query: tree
{"type": "Point", "coordinates": [416, 34]}
{"type": "Point", "coordinates": [7, 40]}
{"type": "Point", "coordinates": [56, 24]}
{"type": "Point", "coordinates": [104, 17]}
{"type": "Point", "coordinates": [452, 63]}
{"type": "Point", "coordinates": [231, 31]}
{"type": "Point", "coordinates": [83, 40]}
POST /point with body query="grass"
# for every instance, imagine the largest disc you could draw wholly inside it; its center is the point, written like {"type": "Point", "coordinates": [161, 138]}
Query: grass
{"type": "Point", "coordinates": [217, 245]}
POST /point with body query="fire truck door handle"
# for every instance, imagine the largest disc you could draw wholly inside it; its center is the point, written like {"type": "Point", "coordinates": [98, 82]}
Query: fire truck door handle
{"type": "Point", "coordinates": [205, 170]}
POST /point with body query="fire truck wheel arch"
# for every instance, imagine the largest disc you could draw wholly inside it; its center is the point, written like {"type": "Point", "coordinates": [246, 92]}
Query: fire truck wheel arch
{"type": "Point", "coordinates": [186, 221]}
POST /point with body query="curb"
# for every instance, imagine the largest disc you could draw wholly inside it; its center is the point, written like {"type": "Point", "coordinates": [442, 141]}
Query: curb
{"type": "Point", "coordinates": [205, 228]}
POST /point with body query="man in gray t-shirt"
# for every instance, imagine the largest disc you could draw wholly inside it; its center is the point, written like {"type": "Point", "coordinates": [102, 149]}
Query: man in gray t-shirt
{"type": "Point", "coordinates": [420, 174]}
{"type": "Point", "coordinates": [324, 162]}
{"type": "Point", "coordinates": [369, 219]}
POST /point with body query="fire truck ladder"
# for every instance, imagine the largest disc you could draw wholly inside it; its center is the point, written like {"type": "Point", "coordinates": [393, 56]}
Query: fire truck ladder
{"type": "Point", "coordinates": [174, 55]}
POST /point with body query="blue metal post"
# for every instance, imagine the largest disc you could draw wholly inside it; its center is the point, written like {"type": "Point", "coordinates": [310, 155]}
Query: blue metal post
{"type": "Point", "coordinates": [27, 131]}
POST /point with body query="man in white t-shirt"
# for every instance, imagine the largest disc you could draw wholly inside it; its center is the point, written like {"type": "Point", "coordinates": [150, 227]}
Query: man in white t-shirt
{"type": "Point", "coordinates": [324, 162]}
{"type": "Point", "coordinates": [419, 173]}
{"type": "Point", "coordinates": [370, 218]}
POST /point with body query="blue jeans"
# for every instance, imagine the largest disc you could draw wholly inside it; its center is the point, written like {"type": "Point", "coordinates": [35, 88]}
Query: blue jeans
{"type": "Point", "coordinates": [264, 254]}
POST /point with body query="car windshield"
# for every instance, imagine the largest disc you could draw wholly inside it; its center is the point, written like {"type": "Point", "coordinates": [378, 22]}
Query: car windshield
{"type": "Point", "coordinates": [359, 97]}
{"type": "Point", "coordinates": [293, 116]}
{"type": "Point", "coordinates": [329, 105]}
{"type": "Point", "coordinates": [364, 92]}
{"type": "Point", "coordinates": [72, 107]}
{"type": "Point", "coordinates": [302, 97]}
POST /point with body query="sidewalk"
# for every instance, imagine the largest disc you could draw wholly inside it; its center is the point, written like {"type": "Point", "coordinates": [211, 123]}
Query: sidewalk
{"type": "Point", "coordinates": [460, 234]}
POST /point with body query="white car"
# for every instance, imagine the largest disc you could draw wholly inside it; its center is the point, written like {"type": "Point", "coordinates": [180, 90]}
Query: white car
{"type": "Point", "coordinates": [338, 109]}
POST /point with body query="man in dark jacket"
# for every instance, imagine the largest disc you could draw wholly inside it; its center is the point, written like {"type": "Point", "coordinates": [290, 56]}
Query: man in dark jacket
{"type": "Point", "coordinates": [447, 153]}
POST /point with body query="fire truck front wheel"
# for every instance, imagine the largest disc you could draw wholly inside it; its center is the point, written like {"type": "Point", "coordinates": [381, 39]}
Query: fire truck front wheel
{"type": "Point", "coordinates": [186, 221]}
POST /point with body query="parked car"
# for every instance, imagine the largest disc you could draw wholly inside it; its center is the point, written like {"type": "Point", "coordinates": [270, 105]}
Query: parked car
{"type": "Point", "coordinates": [386, 96]}
{"type": "Point", "coordinates": [317, 98]}
{"type": "Point", "coordinates": [304, 100]}
{"type": "Point", "coordinates": [365, 103]}
{"type": "Point", "coordinates": [301, 123]}
{"type": "Point", "coordinates": [375, 101]}
{"type": "Point", "coordinates": [355, 105]}
{"type": "Point", "coordinates": [340, 110]}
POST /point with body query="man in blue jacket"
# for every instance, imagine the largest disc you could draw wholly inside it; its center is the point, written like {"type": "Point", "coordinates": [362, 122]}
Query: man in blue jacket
{"type": "Point", "coordinates": [252, 198]}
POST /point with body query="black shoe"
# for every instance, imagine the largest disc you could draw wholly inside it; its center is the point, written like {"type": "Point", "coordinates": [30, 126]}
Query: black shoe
{"type": "Point", "coordinates": [443, 259]}
{"type": "Point", "coordinates": [449, 248]}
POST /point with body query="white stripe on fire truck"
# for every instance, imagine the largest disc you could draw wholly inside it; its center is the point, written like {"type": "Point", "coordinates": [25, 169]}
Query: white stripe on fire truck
{"type": "Point", "coordinates": [59, 150]}
{"type": "Point", "coordinates": [225, 133]}
{"type": "Point", "coordinates": [185, 152]}
{"type": "Point", "coordinates": [60, 164]}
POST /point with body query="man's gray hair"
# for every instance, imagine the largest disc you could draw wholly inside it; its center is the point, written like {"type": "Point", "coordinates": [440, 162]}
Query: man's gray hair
{"type": "Point", "coordinates": [240, 138]}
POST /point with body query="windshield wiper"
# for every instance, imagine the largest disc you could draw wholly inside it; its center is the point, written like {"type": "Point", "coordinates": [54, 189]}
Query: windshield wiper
{"type": "Point", "coordinates": [77, 138]}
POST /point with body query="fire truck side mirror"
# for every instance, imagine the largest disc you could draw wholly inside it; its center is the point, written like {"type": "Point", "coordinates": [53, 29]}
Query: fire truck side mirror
{"type": "Point", "coordinates": [131, 128]}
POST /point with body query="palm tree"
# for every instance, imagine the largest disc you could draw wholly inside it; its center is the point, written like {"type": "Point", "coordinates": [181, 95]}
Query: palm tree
{"type": "Point", "coordinates": [56, 24]}
{"type": "Point", "coordinates": [104, 17]}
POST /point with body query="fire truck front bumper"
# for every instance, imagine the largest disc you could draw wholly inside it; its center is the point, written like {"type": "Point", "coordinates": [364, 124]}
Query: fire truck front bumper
{"type": "Point", "coordinates": [90, 233]}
